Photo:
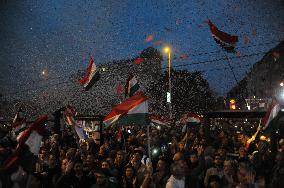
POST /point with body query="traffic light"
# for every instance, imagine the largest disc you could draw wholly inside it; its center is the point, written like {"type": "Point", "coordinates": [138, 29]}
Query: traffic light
{"type": "Point", "coordinates": [232, 104]}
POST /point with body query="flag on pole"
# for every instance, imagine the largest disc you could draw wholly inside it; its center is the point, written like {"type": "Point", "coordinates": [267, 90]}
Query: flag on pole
{"type": "Point", "coordinates": [32, 136]}
{"type": "Point", "coordinates": [91, 76]}
{"type": "Point", "coordinates": [69, 115]}
{"type": "Point", "coordinates": [191, 118]}
{"type": "Point", "coordinates": [133, 110]}
{"type": "Point", "coordinates": [271, 116]}
{"type": "Point", "coordinates": [157, 120]}
{"type": "Point", "coordinates": [131, 86]}
{"type": "Point", "coordinates": [225, 40]}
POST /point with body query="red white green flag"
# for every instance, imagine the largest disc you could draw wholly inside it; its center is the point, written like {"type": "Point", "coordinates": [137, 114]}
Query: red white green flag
{"type": "Point", "coordinates": [91, 76]}
{"type": "Point", "coordinates": [131, 86]}
{"type": "Point", "coordinates": [33, 135]}
{"type": "Point", "coordinates": [133, 110]}
{"type": "Point", "coordinates": [271, 115]}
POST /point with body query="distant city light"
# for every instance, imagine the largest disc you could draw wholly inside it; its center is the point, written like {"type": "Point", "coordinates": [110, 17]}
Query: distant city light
{"type": "Point", "coordinates": [104, 69]}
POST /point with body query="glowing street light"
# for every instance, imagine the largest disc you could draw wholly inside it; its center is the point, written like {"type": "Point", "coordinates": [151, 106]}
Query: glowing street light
{"type": "Point", "coordinates": [167, 50]}
{"type": "Point", "coordinates": [281, 84]}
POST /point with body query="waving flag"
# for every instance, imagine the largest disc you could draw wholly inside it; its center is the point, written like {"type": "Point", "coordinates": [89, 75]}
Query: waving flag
{"type": "Point", "coordinates": [191, 118]}
{"type": "Point", "coordinates": [133, 110]}
{"type": "Point", "coordinates": [226, 40]}
{"type": "Point", "coordinates": [272, 115]}
{"type": "Point", "coordinates": [91, 76]}
{"type": "Point", "coordinates": [69, 114]}
{"type": "Point", "coordinates": [32, 136]}
{"type": "Point", "coordinates": [131, 86]}
{"type": "Point", "coordinates": [157, 120]}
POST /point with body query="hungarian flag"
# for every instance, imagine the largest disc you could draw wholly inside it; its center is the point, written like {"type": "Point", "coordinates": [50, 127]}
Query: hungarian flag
{"type": "Point", "coordinates": [191, 118]}
{"type": "Point", "coordinates": [157, 120]}
{"type": "Point", "coordinates": [32, 136]}
{"type": "Point", "coordinates": [69, 115]}
{"type": "Point", "coordinates": [225, 40]}
{"type": "Point", "coordinates": [91, 76]}
{"type": "Point", "coordinates": [133, 110]}
{"type": "Point", "coordinates": [131, 86]}
{"type": "Point", "coordinates": [272, 116]}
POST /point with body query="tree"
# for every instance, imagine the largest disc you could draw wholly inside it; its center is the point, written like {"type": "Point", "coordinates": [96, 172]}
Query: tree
{"type": "Point", "coordinates": [190, 93]}
{"type": "Point", "coordinates": [151, 54]}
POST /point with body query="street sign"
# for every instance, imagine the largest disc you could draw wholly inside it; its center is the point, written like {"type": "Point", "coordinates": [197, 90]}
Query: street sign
{"type": "Point", "coordinates": [168, 97]}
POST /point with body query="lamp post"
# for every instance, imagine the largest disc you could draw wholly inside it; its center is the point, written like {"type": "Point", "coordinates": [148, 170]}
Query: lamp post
{"type": "Point", "coordinates": [169, 94]}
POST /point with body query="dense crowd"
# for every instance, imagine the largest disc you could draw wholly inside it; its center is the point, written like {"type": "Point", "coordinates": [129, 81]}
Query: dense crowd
{"type": "Point", "coordinates": [181, 156]}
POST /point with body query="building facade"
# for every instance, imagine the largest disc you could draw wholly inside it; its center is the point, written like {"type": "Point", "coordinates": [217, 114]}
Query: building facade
{"type": "Point", "coordinates": [262, 82]}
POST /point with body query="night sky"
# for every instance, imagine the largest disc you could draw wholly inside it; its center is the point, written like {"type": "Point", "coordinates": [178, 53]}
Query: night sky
{"type": "Point", "coordinates": [59, 35]}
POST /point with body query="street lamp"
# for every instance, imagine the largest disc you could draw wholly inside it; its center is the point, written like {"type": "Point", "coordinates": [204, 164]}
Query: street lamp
{"type": "Point", "coordinates": [168, 51]}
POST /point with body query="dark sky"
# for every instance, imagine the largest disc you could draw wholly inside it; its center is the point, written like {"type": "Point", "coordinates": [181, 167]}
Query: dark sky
{"type": "Point", "coordinates": [59, 35]}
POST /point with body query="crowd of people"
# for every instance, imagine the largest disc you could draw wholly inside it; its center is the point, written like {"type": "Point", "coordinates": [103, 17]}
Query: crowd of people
{"type": "Point", "coordinates": [179, 156]}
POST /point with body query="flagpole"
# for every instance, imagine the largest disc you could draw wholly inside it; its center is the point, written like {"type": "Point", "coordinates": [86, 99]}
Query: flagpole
{"type": "Point", "coordinates": [77, 140]}
{"type": "Point", "coordinates": [148, 141]}
{"type": "Point", "coordinates": [231, 68]}
{"type": "Point", "coordinates": [123, 138]}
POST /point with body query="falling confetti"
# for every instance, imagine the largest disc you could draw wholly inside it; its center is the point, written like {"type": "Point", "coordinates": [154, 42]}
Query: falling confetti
{"type": "Point", "coordinates": [184, 56]}
{"type": "Point", "coordinates": [246, 40]}
{"type": "Point", "coordinates": [238, 54]}
{"type": "Point", "coordinates": [149, 38]}
{"type": "Point", "coordinates": [58, 39]}
{"type": "Point", "coordinates": [254, 32]}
